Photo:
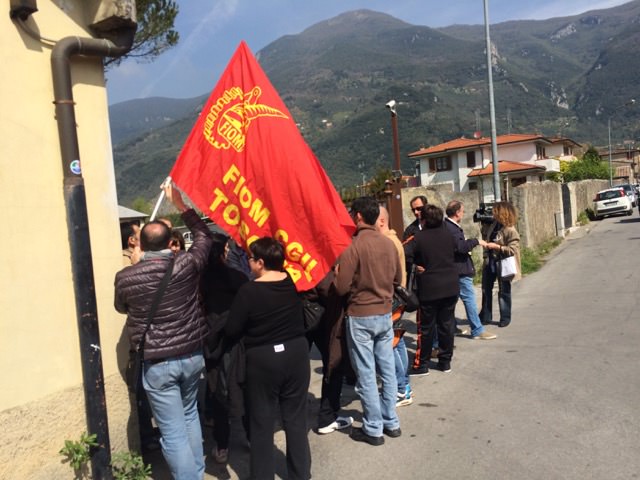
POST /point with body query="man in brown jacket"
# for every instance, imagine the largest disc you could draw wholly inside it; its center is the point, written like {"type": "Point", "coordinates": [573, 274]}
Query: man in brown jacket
{"type": "Point", "coordinates": [173, 343]}
{"type": "Point", "coordinates": [368, 270]}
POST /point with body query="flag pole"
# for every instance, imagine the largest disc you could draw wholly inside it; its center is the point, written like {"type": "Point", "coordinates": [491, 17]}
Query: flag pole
{"type": "Point", "coordinates": [166, 182]}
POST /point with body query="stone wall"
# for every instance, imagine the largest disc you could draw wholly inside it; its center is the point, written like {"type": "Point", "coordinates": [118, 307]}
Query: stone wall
{"type": "Point", "coordinates": [581, 196]}
{"type": "Point", "coordinates": [537, 205]}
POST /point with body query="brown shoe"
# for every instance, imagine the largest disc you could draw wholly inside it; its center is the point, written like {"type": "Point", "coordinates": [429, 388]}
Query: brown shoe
{"type": "Point", "coordinates": [485, 336]}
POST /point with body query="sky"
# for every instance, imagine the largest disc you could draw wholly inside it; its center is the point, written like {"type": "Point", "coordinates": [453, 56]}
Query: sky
{"type": "Point", "coordinates": [210, 31]}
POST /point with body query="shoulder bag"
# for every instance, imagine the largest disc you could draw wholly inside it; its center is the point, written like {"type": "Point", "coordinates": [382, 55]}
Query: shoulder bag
{"type": "Point", "coordinates": [508, 268]}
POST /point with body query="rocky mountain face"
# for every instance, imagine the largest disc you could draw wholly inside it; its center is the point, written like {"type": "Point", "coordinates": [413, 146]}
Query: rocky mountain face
{"type": "Point", "coordinates": [558, 76]}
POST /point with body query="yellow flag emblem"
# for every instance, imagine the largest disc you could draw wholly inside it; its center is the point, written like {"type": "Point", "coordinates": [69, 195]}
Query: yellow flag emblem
{"type": "Point", "coordinates": [229, 118]}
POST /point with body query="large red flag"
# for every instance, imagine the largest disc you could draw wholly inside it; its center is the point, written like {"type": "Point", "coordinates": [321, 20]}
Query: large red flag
{"type": "Point", "coordinates": [248, 168]}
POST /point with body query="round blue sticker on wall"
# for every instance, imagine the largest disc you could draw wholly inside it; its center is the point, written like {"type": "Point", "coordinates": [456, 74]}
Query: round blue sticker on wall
{"type": "Point", "coordinates": [75, 167]}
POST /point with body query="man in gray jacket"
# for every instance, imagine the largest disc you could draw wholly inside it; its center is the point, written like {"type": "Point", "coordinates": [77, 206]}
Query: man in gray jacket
{"type": "Point", "coordinates": [173, 358]}
{"type": "Point", "coordinates": [368, 270]}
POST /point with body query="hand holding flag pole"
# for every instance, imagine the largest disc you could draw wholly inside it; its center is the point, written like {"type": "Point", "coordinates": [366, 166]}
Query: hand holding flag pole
{"type": "Point", "coordinates": [167, 181]}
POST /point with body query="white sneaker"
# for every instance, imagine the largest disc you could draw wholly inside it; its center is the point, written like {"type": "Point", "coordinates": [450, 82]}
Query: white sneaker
{"type": "Point", "coordinates": [339, 424]}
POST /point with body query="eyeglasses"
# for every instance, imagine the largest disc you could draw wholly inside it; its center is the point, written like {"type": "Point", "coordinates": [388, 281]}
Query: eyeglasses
{"type": "Point", "coordinates": [417, 209]}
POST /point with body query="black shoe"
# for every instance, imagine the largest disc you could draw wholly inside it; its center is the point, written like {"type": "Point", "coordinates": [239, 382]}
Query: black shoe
{"type": "Point", "coordinates": [393, 433]}
{"type": "Point", "coordinates": [419, 372]}
{"type": "Point", "coordinates": [444, 366]}
{"type": "Point", "coordinates": [359, 436]}
{"type": "Point", "coordinates": [503, 324]}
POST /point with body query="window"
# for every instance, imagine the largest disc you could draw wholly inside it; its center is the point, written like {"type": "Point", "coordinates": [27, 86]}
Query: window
{"type": "Point", "coordinates": [471, 159]}
{"type": "Point", "coordinates": [439, 164]}
{"type": "Point", "coordinates": [567, 150]}
{"type": "Point", "coordinates": [540, 152]}
{"type": "Point", "coordinates": [518, 181]}
{"type": "Point", "coordinates": [473, 186]}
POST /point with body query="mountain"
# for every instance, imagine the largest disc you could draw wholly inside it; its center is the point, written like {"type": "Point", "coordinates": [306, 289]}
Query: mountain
{"type": "Point", "coordinates": [562, 75]}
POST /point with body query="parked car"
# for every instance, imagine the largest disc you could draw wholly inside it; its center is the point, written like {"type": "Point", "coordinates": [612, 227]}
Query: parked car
{"type": "Point", "coordinates": [611, 201]}
{"type": "Point", "coordinates": [631, 192]}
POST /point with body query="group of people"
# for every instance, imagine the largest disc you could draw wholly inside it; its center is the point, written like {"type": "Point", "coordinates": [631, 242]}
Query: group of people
{"type": "Point", "coordinates": [191, 313]}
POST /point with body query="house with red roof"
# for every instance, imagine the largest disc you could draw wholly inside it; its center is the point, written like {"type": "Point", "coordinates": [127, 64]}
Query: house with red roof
{"type": "Point", "coordinates": [465, 163]}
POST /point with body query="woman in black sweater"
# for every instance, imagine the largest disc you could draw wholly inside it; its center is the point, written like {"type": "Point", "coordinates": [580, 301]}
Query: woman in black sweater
{"type": "Point", "coordinates": [438, 288]}
{"type": "Point", "coordinates": [267, 315]}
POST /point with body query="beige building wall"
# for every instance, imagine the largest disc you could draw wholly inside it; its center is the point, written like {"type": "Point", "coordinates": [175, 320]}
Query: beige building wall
{"type": "Point", "coordinates": [41, 396]}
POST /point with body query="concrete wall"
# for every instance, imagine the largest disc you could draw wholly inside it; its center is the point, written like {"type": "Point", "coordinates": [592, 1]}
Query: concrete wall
{"type": "Point", "coordinates": [581, 195]}
{"type": "Point", "coordinates": [537, 204]}
{"type": "Point", "coordinates": [41, 400]}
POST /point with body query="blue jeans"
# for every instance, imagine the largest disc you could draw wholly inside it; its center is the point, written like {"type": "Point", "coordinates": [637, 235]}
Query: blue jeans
{"type": "Point", "coordinates": [172, 388]}
{"type": "Point", "coordinates": [370, 342]}
{"type": "Point", "coordinates": [402, 365]}
{"type": "Point", "coordinates": [468, 297]}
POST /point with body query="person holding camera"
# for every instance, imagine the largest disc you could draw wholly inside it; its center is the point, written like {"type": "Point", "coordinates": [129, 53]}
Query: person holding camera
{"type": "Point", "coordinates": [503, 240]}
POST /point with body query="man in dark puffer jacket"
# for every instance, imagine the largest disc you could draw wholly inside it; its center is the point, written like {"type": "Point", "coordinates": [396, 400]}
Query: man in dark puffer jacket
{"type": "Point", "coordinates": [173, 344]}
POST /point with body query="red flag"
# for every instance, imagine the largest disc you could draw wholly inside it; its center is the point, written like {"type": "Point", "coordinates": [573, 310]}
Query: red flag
{"type": "Point", "coordinates": [247, 167]}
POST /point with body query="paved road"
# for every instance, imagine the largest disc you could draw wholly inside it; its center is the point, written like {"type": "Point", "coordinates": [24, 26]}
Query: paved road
{"type": "Point", "coordinates": [556, 396]}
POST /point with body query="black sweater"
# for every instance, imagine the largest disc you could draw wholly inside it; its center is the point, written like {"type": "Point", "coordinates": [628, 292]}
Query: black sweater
{"type": "Point", "coordinates": [266, 313]}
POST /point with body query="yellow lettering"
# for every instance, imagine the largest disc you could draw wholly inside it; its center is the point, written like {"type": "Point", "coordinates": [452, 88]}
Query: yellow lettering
{"type": "Point", "coordinates": [245, 197]}
{"type": "Point", "coordinates": [307, 269]}
{"type": "Point", "coordinates": [239, 184]}
{"type": "Point", "coordinates": [243, 231]}
{"type": "Point", "coordinates": [281, 236]}
{"type": "Point", "coordinates": [231, 214]}
{"type": "Point", "coordinates": [294, 272]}
{"type": "Point", "coordinates": [220, 197]}
{"type": "Point", "coordinates": [232, 174]}
{"type": "Point", "coordinates": [294, 251]}
{"type": "Point", "coordinates": [252, 239]}
{"type": "Point", "coordinates": [260, 215]}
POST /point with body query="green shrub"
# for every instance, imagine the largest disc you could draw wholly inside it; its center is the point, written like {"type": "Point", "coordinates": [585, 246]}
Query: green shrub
{"type": "Point", "coordinates": [78, 453]}
{"type": "Point", "coordinates": [129, 466]}
{"type": "Point", "coordinates": [583, 217]}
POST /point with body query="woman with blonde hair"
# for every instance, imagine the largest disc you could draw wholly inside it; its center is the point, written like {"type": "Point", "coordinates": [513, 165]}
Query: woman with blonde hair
{"type": "Point", "coordinates": [503, 240]}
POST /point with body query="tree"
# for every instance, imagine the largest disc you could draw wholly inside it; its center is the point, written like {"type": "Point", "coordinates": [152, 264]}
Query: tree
{"type": "Point", "coordinates": [588, 167]}
{"type": "Point", "coordinates": [155, 32]}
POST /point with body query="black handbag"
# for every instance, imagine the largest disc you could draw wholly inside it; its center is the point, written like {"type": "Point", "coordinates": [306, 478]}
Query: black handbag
{"type": "Point", "coordinates": [136, 357]}
{"type": "Point", "coordinates": [312, 313]}
{"type": "Point", "coordinates": [406, 298]}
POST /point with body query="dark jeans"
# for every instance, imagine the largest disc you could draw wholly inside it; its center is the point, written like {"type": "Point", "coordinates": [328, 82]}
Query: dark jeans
{"type": "Point", "coordinates": [489, 277]}
{"type": "Point", "coordinates": [438, 315]}
{"type": "Point", "coordinates": [279, 376]}
{"type": "Point", "coordinates": [331, 381]}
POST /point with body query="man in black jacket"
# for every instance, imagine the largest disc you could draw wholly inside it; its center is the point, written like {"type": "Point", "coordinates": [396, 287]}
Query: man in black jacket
{"type": "Point", "coordinates": [466, 270]}
{"type": "Point", "coordinates": [173, 358]}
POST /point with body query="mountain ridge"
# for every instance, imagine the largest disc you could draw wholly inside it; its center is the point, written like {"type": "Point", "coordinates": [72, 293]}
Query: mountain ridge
{"type": "Point", "coordinates": [550, 76]}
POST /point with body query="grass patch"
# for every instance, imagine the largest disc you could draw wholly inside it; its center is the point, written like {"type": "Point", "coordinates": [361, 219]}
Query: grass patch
{"type": "Point", "coordinates": [584, 217]}
{"type": "Point", "coordinates": [532, 259]}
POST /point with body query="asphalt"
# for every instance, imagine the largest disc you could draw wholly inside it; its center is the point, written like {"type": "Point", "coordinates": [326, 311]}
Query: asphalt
{"type": "Point", "coordinates": [553, 397]}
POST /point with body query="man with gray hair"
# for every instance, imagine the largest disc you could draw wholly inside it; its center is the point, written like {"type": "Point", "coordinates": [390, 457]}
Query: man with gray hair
{"type": "Point", "coordinates": [466, 269]}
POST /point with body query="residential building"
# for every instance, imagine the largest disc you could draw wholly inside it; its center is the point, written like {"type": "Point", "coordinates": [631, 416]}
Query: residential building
{"type": "Point", "coordinates": [43, 355]}
{"type": "Point", "coordinates": [465, 163]}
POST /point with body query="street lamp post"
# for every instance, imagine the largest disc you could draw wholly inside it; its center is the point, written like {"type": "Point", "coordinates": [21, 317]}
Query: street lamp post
{"type": "Point", "coordinates": [395, 200]}
{"type": "Point", "coordinates": [628, 104]}
{"type": "Point", "coordinates": [497, 195]}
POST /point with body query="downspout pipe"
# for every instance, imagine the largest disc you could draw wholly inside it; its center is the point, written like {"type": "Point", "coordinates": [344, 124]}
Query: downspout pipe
{"type": "Point", "coordinates": [79, 239]}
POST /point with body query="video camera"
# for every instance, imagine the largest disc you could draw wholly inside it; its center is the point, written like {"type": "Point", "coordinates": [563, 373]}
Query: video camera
{"type": "Point", "coordinates": [484, 214]}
